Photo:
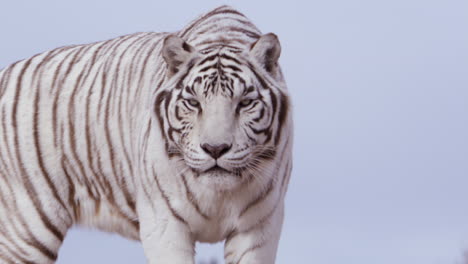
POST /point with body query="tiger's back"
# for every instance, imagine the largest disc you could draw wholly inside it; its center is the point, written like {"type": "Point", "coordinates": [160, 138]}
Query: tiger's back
{"type": "Point", "coordinates": [66, 135]}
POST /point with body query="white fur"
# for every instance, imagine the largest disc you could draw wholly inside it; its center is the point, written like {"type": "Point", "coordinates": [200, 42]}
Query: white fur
{"type": "Point", "coordinates": [101, 161]}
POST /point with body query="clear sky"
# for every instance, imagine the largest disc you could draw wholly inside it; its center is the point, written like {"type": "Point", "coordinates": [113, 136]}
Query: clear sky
{"type": "Point", "coordinates": [380, 91]}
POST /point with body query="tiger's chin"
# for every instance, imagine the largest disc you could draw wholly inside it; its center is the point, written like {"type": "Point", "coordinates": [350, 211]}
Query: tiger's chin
{"type": "Point", "coordinates": [220, 179]}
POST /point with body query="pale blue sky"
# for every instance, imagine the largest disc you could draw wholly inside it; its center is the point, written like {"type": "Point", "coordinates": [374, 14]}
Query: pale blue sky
{"type": "Point", "coordinates": [380, 90]}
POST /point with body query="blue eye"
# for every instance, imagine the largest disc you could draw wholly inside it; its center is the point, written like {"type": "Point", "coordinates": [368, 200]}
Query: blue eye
{"type": "Point", "coordinates": [245, 102]}
{"type": "Point", "coordinates": [193, 102]}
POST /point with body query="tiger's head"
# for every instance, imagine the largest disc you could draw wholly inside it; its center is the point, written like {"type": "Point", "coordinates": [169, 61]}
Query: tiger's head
{"type": "Point", "coordinates": [223, 109]}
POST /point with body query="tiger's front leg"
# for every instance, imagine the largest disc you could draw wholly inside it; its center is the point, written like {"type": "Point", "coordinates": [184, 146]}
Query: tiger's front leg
{"type": "Point", "coordinates": [165, 238]}
{"type": "Point", "coordinates": [257, 244]}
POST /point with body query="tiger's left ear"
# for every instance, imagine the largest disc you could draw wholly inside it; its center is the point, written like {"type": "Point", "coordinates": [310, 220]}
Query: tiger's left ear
{"type": "Point", "coordinates": [267, 50]}
{"type": "Point", "coordinates": [176, 52]}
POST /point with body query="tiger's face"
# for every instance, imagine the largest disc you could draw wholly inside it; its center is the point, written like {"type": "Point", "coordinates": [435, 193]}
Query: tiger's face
{"type": "Point", "coordinates": [222, 118]}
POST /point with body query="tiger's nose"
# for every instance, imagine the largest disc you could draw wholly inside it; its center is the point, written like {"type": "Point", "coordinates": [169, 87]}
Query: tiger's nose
{"type": "Point", "coordinates": [216, 151]}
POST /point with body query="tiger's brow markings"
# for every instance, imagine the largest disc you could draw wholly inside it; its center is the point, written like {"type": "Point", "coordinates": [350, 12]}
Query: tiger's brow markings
{"type": "Point", "coordinates": [225, 84]}
{"type": "Point", "coordinates": [208, 59]}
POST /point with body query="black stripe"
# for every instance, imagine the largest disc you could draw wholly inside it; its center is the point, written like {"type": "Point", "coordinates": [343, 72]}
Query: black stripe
{"type": "Point", "coordinates": [91, 189]}
{"type": "Point", "coordinates": [5, 136]}
{"type": "Point", "coordinates": [244, 31]}
{"type": "Point", "coordinates": [161, 98]}
{"type": "Point", "coordinates": [166, 199]}
{"type": "Point", "coordinates": [30, 240]}
{"type": "Point", "coordinates": [260, 115]}
{"type": "Point", "coordinates": [101, 181]}
{"type": "Point", "coordinates": [191, 197]}
{"type": "Point", "coordinates": [209, 58]}
{"type": "Point", "coordinates": [5, 258]}
{"type": "Point", "coordinates": [260, 198]}
{"type": "Point", "coordinates": [6, 76]}
{"type": "Point", "coordinates": [250, 249]}
{"type": "Point", "coordinates": [262, 80]}
{"type": "Point", "coordinates": [219, 10]}
{"type": "Point", "coordinates": [71, 192]}
{"type": "Point", "coordinates": [58, 92]}
{"type": "Point", "coordinates": [14, 254]}
{"type": "Point", "coordinates": [28, 185]}
{"type": "Point", "coordinates": [287, 175]}
{"type": "Point", "coordinates": [232, 67]}
{"type": "Point", "coordinates": [282, 114]}
{"type": "Point", "coordinates": [37, 145]}
{"type": "Point", "coordinates": [227, 57]}
{"type": "Point", "coordinates": [123, 185]}
{"type": "Point", "coordinates": [209, 67]}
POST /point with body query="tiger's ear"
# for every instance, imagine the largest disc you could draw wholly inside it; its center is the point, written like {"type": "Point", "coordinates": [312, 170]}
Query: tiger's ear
{"type": "Point", "coordinates": [176, 52]}
{"type": "Point", "coordinates": [267, 50]}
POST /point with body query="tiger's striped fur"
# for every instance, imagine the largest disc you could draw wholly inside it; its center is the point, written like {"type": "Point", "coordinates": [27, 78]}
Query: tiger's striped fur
{"type": "Point", "coordinates": [163, 138]}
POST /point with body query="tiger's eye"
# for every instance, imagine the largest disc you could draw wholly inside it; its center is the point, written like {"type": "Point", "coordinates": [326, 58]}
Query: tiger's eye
{"type": "Point", "coordinates": [193, 102]}
{"type": "Point", "coordinates": [245, 102]}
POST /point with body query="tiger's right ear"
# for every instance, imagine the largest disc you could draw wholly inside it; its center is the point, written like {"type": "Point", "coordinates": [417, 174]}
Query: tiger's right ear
{"type": "Point", "coordinates": [267, 51]}
{"type": "Point", "coordinates": [176, 52]}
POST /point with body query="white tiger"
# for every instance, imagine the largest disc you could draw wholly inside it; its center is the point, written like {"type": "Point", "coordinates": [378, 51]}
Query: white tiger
{"type": "Point", "coordinates": [164, 138]}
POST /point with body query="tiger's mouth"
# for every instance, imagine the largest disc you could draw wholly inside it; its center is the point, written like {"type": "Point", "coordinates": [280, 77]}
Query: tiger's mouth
{"type": "Point", "coordinates": [218, 171]}
{"type": "Point", "coordinates": [219, 178]}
